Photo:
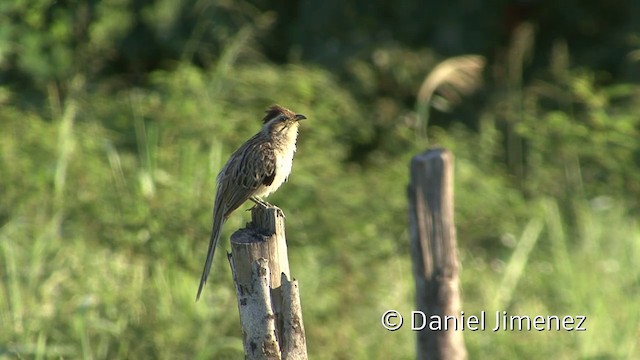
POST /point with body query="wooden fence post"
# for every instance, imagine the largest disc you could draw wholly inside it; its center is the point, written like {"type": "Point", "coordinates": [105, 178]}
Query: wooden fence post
{"type": "Point", "coordinates": [268, 302]}
{"type": "Point", "coordinates": [434, 252]}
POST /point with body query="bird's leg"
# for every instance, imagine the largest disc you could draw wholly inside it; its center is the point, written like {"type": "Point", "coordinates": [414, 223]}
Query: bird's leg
{"type": "Point", "coordinates": [260, 202]}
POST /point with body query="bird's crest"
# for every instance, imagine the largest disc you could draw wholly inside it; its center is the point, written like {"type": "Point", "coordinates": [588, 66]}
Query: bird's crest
{"type": "Point", "coordinates": [275, 111]}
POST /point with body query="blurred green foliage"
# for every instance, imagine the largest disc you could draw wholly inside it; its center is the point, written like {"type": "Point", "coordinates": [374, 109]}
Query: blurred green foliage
{"type": "Point", "coordinates": [115, 117]}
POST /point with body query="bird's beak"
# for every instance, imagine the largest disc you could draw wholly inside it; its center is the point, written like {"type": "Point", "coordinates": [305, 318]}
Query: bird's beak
{"type": "Point", "coordinates": [299, 117]}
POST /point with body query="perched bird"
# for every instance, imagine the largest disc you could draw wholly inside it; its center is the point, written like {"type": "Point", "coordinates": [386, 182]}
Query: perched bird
{"type": "Point", "coordinates": [255, 170]}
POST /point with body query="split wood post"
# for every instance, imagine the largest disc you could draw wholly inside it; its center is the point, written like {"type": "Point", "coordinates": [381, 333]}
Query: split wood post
{"type": "Point", "coordinates": [269, 303]}
{"type": "Point", "coordinates": [434, 253]}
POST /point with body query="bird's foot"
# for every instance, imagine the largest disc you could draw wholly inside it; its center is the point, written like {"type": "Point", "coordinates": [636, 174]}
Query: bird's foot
{"type": "Point", "coordinates": [259, 203]}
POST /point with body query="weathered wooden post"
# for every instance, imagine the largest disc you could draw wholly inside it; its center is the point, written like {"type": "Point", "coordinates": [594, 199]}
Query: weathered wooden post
{"type": "Point", "coordinates": [434, 252]}
{"type": "Point", "coordinates": [269, 303]}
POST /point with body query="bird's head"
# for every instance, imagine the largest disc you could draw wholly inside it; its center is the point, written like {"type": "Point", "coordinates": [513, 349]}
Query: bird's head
{"type": "Point", "coordinates": [279, 119]}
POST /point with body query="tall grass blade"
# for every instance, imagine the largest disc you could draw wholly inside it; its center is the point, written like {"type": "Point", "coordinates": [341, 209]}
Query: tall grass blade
{"type": "Point", "coordinates": [517, 263]}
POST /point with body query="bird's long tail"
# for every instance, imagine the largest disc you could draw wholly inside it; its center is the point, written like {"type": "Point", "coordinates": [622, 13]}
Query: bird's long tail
{"type": "Point", "coordinates": [218, 220]}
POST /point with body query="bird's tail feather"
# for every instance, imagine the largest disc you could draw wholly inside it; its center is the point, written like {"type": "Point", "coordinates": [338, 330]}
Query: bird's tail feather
{"type": "Point", "coordinates": [218, 220]}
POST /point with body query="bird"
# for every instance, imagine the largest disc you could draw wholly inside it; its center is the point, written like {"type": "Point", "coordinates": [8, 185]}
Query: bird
{"type": "Point", "coordinates": [258, 168]}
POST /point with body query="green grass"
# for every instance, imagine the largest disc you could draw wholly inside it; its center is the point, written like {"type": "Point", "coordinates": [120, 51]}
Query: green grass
{"type": "Point", "coordinates": [105, 217]}
{"type": "Point", "coordinates": [592, 275]}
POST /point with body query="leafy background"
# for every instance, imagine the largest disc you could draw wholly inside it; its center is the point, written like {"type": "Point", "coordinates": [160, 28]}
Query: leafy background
{"type": "Point", "coordinates": [115, 117]}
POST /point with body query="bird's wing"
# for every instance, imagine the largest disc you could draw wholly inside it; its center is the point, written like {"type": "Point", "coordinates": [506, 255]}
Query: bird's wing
{"type": "Point", "coordinates": [253, 165]}
{"type": "Point", "coordinates": [256, 166]}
